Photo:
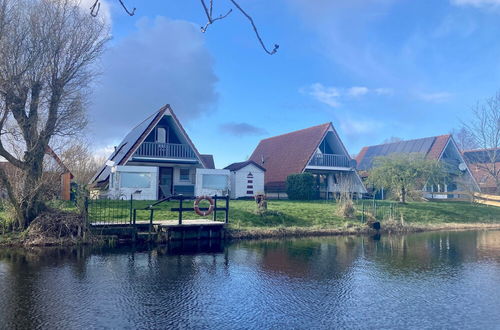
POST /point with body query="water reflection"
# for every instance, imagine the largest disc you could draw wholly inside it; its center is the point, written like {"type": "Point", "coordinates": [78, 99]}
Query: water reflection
{"type": "Point", "coordinates": [419, 280]}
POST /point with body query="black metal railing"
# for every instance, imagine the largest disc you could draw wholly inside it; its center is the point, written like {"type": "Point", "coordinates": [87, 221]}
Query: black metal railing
{"type": "Point", "coordinates": [181, 209]}
{"type": "Point", "coordinates": [165, 150]}
{"type": "Point", "coordinates": [330, 160]}
{"type": "Point", "coordinates": [109, 211]}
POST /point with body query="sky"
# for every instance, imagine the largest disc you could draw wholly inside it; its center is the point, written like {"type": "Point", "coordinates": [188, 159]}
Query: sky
{"type": "Point", "coordinates": [376, 69]}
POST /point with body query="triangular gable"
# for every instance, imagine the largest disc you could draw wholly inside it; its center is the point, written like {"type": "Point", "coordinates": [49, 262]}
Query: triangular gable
{"type": "Point", "coordinates": [188, 139]}
{"type": "Point", "coordinates": [337, 138]}
{"type": "Point", "coordinates": [288, 153]}
{"type": "Point", "coordinates": [451, 142]}
{"type": "Point", "coordinates": [136, 137]}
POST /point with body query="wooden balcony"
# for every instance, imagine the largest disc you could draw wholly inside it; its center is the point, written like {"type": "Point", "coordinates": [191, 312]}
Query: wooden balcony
{"type": "Point", "coordinates": [330, 160]}
{"type": "Point", "coordinates": [165, 150]}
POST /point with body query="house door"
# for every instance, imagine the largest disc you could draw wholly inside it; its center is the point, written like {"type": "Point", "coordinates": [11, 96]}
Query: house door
{"type": "Point", "coordinates": [166, 181]}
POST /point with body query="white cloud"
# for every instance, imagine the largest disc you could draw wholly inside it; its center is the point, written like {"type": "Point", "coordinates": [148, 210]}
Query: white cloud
{"type": "Point", "coordinates": [332, 95]}
{"type": "Point", "coordinates": [105, 151]}
{"type": "Point", "coordinates": [384, 91]}
{"type": "Point", "coordinates": [437, 97]}
{"type": "Point", "coordinates": [351, 126]}
{"type": "Point", "coordinates": [162, 61]}
{"type": "Point", "coordinates": [476, 3]}
{"type": "Point", "coordinates": [357, 91]}
{"type": "Point", "coordinates": [327, 95]}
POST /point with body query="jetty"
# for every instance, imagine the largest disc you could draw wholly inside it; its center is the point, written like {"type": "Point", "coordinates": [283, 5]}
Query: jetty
{"type": "Point", "coordinates": [107, 218]}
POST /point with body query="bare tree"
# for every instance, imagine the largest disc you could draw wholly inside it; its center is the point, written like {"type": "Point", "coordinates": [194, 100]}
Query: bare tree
{"type": "Point", "coordinates": [211, 19]}
{"type": "Point", "coordinates": [463, 139]}
{"type": "Point", "coordinates": [81, 161]}
{"type": "Point", "coordinates": [392, 139]}
{"type": "Point", "coordinates": [48, 50]}
{"type": "Point", "coordinates": [484, 130]}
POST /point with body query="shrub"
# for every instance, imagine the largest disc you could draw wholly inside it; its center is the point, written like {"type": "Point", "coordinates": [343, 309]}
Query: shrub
{"type": "Point", "coordinates": [301, 187]}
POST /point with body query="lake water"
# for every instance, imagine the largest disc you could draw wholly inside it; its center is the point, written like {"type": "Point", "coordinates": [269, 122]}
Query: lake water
{"type": "Point", "coordinates": [426, 280]}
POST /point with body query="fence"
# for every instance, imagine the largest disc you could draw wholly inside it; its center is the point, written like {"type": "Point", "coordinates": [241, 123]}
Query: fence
{"type": "Point", "coordinates": [378, 210]}
{"type": "Point", "coordinates": [109, 211]}
{"type": "Point", "coordinates": [130, 211]}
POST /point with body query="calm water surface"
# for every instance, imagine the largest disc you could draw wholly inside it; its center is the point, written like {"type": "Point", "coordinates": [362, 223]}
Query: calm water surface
{"type": "Point", "coordinates": [428, 280]}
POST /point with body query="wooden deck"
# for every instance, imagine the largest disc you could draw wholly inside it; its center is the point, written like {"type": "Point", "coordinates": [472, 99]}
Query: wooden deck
{"type": "Point", "coordinates": [185, 223]}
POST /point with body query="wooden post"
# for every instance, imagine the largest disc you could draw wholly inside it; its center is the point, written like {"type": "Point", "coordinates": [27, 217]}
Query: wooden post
{"type": "Point", "coordinates": [215, 207]}
{"type": "Point", "coordinates": [180, 209]}
{"type": "Point", "coordinates": [362, 212]}
{"type": "Point", "coordinates": [150, 223]}
{"type": "Point", "coordinates": [227, 209]}
{"type": "Point", "coordinates": [131, 206]}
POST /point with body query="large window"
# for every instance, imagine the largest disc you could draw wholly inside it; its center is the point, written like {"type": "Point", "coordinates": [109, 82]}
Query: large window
{"type": "Point", "coordinates": [215, 181]}
{"type": "Point", "coordinates": [135, 180]}
{"type": "Point", "coordinates": [184, 174]}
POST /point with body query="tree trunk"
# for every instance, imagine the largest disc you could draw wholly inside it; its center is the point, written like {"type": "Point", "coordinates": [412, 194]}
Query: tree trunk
{"type": "Point", "coordinates": [402, 197]}
{"type": "Point", "coordinates": [32, 203]}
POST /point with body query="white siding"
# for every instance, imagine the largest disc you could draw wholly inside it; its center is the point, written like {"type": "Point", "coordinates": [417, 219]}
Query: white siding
{"type": "Point", "coordinates": [200, 191]}
{"type": "Point", "coordinates": [239, 181]}
{"type": "Point", "coordinates": [118, 192]}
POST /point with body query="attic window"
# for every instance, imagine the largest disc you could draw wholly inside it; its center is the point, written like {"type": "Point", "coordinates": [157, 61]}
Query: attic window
{"type": "Point", "coordinates": [161, 135]}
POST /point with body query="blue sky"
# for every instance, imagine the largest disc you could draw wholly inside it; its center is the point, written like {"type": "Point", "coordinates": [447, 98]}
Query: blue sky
{"type": "Point", "coordinates": [376, 69]}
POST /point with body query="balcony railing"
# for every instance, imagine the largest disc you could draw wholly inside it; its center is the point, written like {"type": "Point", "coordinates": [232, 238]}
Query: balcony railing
{"type": "Point", "coordinates": [329, 160]}
{"type": "Point", "coordinates": [165, 150]}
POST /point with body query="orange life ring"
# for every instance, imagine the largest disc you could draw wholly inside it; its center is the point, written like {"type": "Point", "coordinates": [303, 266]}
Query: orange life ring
{"type": "Point", "coordinates": [197, 207]}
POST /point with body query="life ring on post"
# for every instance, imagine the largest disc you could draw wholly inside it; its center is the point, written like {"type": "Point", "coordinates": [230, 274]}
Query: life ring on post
{"type": "Point", "coordinates": [197, 207]}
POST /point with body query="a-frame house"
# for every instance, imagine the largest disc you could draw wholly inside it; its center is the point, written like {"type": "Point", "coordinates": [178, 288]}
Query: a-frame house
{"type": "Point", "coordinates": [317, 150]}
{"type": "Point", "coordinates": [441, 148]}
{"type": "Point", "coordinates": [155, 160]}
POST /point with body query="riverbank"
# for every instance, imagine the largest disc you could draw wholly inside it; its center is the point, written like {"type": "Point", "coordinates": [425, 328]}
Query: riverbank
{"type": "Point", "coordinates": [319, 218]}
{"type": "Point", "coordinates": [387, 228]}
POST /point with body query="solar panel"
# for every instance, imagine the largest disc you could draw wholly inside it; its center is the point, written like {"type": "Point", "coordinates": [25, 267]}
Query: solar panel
{"type": "Point", "coordinates": [411, 146]}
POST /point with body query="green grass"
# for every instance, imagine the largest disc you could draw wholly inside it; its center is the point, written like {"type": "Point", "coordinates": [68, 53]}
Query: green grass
{"type": "Point", "coordinates": [321, 214]}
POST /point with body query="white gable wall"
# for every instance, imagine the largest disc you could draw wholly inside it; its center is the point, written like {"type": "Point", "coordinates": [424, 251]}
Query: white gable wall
{"type": "Point", "coordinates": [239, 181]}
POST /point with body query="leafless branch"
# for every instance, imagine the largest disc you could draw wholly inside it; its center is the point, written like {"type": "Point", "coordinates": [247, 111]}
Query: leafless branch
{"type": "Point", "coordinates": [208, 12]}
{"type": "Point", "coordinates": [276, 46]}
{"type": "Point", "coordinates": [130, 13]}
{"type": "Point", "coordinates": [208, 9]}
{"type": "Point", "coordinates": [96, 6]}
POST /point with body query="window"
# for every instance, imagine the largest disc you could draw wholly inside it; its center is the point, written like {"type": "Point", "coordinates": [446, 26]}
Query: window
{"type": "Point", "coordinates": [135, 180]}
{"type": "Point", "coordinates": [215, 181]}
{"type": "Point", "coordinates": [161, 135]}
{"type": "Point", "coordinates": [184, 175]}
{"type": "Point", "coordinates": [249, 192]}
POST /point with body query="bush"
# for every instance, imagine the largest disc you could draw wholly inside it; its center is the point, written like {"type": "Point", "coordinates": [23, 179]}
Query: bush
{"type": "Point", "coordinates": [301, 187]}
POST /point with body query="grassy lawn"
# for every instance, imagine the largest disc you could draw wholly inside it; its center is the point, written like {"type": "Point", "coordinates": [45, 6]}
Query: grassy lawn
{"type": "Point", "coordinates": [319, 214]}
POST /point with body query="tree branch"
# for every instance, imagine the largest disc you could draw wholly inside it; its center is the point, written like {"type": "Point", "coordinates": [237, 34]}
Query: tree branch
{"type": "Point", "coordinates": [94, 10]}
{"type": "Point", "coordinates": [276, 46]}
{"type": "Point", "coordinates": [208, 13]}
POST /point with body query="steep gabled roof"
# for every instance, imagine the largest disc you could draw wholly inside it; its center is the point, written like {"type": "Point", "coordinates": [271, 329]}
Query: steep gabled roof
{"type": "Point", "coordinates": [289, 153]}
{"type": "Point", "coordinates": [482, 156]}
{"type": "Point", "coordinates": [432, 147]}
{"type": "Point", "coordinates": [240, 165]}
{"type": "Point", "coordinates": [481, 162]}
{"type": "Point", "coordinates": [134, 139]}
{"type": "Point", "coordinates": [208, 160]}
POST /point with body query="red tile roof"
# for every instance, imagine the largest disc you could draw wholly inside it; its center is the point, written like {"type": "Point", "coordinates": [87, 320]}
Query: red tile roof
{"type": "Point", "coordinates": [288, 153]}
{"type": "Point", "coordinates": [438, 146]}
{"type": "Point", "coordinates": [208, 160]}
